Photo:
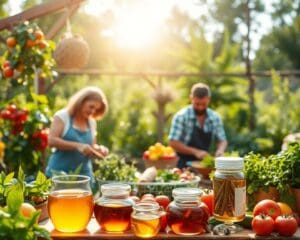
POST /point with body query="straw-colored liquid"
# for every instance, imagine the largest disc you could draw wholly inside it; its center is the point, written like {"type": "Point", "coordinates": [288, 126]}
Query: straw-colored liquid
{"type": "Point", "coordinates": [145, 226]}
{"type": "Point", "coordinates": [229, 199]}
{"type": "Point", "coordinates": [113, 217]}
{"type": "Point", "coordinates": [70, 210]}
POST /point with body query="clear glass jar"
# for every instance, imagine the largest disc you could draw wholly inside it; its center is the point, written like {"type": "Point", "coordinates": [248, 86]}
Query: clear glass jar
{"type": "Point", "coordinates": [113, 209]}
{"type": "Point", "coordinates": [146, 219]}
{"type": "Point", "coordinates": [229, 187]}
{"type": "Point", "coordinates": [70, 202]}
{"type": "Point", "coordinates": [187, 215]}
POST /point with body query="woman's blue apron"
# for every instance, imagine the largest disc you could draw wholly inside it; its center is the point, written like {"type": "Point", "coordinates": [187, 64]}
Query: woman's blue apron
{"type": "Point", "coordinates": [70, 160]}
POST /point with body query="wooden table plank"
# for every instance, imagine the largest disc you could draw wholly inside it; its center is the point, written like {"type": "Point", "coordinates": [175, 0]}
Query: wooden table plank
{"type": "Point", "coordinates": [94, 232]}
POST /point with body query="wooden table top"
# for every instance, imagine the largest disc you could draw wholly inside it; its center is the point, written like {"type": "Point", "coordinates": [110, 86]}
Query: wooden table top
{"type": "Point", "coordinates": [93, 231]}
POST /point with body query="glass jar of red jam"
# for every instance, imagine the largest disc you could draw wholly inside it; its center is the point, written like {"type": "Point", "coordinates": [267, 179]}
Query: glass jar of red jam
{"type": "Point", "coordinates": [186, 214]}
{"type": "Point", "coordinates": [113, 209]}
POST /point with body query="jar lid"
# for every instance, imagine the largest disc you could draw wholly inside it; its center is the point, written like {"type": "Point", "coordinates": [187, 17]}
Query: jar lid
{"type": "Point", "coordinates": [186, 192]}
{"type": "Point", "coordinates": [230, 163]}
{"type": "Point", "coordinates": [115, 189]}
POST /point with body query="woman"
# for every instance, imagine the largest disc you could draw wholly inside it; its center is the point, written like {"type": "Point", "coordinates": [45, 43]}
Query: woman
{"type": "Point", "coordinates": [73, 133]}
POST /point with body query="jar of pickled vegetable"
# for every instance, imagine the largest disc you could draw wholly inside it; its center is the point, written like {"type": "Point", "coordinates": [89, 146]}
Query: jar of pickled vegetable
{"type": "Point", "coordinates": [186, 214]}
{"type": "Point", "coordinates": [113, 209]}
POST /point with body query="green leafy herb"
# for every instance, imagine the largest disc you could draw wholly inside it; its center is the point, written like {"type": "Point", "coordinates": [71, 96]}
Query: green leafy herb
{"type": "Point", "coordinates": [115, 168]}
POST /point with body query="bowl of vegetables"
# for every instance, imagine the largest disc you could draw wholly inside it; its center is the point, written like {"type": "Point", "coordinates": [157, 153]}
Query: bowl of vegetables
{"type": "Point", "coordinates": [152, 180]}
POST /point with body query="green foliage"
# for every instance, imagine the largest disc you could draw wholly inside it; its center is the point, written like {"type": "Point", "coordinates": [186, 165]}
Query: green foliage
{"type": "Point", "coordinates": [166, 175]}
{"type": "Point", "coordinates": [13, 226]}
{"type": "Point", "coordinates": [277, 170]}
{"type": "Point", "coordinates": [135, 126]}
{"type": "Point", "coordinates": [115, 168]}
{"type": "Point", "coordinates": [36, 189]}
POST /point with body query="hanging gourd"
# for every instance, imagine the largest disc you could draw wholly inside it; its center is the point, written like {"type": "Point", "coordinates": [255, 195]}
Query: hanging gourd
{"type": "Point", "coordinates": [72, 51]}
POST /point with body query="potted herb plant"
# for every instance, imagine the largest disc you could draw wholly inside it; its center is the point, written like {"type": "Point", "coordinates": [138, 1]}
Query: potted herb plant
{"type": "Point", "coordinates": [293, 155]}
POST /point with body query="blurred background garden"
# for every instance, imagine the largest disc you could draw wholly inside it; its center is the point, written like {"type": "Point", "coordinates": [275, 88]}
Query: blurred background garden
{"type": "Point", "coordinates": [146, 55]}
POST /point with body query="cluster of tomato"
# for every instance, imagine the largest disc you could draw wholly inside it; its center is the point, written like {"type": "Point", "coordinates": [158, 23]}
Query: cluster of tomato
{"type": "Point", "coordinates": [36, 39]}
{"type": "Point", "coordinates": [17, 117]}
{"type": "Point", "coordinates": [39, 139]}
{"type": "Point", "coordinates": [270, 216]}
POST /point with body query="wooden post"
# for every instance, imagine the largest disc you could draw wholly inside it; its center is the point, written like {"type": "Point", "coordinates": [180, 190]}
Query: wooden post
{"type": "Point", "coordinates": [251, 79]}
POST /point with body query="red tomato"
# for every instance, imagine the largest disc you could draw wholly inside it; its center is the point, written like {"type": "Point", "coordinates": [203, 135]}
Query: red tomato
{"type": "Point", "coordinates": [40, 139]}
{"type": "Point", "coordinates": [147, 195]}
{"type": "Point", "coordinates": [12, 108]}
{"type": "Point", "coordinates": [6, 64]}
{"type": "Point", "coordinates": [162, 200]}
{"type": "Point", "coordinates": [8, 72]}
{"type": "Point", "coordinates": [208, 199]}
{"type": "Point", "coordinates": [262, 225]}
{"type": "Point", "coordinates": [163, 219]}
{"type": "Point", "coordinates": [177, 171]}
{"type": "Point", "coordinates": [286, 225]}
{"type": "Point", "coordinates": [267, 207]}
{"type": "Point", "coordinates": [5, 114]}
{"type": "Point", "coordinates": [146, 155]}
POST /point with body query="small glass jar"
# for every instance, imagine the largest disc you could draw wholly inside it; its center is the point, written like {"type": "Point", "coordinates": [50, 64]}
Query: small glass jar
{"type": "Point", "coordinates": [113, 209]}
{"type": "Point", "coordinates": [187, 215]}
{"type": "Point", "coordinates": [229, 187]}
{"type": "Point", "coordinates": [146, 219]}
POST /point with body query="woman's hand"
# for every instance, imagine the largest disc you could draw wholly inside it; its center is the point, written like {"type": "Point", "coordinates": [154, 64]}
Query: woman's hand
{"type": "Point", "coordinates": [85, 149]}
{"type": "Point", "coordinates": [101, 149]}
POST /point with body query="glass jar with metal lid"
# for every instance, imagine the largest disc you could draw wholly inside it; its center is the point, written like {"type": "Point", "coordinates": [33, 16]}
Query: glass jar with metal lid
{"type": "Point", "coordinates": [186, 214]}
{"type": "Point", "coordinates": [114, 207]}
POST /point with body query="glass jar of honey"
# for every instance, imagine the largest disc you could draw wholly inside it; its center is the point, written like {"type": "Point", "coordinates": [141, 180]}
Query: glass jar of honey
{"type": "Point", "coordinates": [70, 202]}
{"type": "Point", "coordinates": [113, 209]}
{"type": "Point", "coordinates": [186, 214]}
{"type": "Point", "coordinates": [229, 186]}
{"type": "Point", "coordinates": [146, 219]}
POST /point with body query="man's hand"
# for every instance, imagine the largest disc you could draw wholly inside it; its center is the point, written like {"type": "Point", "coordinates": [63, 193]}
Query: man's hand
{"type": "Point", "coordinates": [200, 154]}
{"type": "Point", "coordinates": [219, 153]}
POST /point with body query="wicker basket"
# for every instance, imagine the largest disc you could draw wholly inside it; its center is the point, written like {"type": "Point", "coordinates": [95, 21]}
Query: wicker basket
{"type": "Point", "coordinates": [161, 163]}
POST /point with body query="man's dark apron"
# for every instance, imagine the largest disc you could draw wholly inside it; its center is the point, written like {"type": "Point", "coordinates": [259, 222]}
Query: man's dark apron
{"type": "Point", "coordinates": [200, 140]}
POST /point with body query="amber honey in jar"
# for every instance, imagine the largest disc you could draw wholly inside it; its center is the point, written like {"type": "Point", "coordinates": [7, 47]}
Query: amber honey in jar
{"type": "Point", "coordinates": [229, 187]}
{"type": "Point", "coordinates": [186, 214]}
{"type": "Point", "coordinates": [146, 219]}
{"type": "Point", "coordinates": [70, 202]}
{"type": "Point", "coordinates": [113, 210]}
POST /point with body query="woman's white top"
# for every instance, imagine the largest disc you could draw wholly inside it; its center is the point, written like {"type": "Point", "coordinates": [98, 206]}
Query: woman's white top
{"type": "Point", "coordinates": [65, 117]}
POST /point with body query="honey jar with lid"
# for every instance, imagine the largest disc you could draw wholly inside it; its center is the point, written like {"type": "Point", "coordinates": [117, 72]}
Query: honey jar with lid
{"type": "Point", "coordinates": [186, 214]}
{"type": "Point", "coordinates": [113, 209]}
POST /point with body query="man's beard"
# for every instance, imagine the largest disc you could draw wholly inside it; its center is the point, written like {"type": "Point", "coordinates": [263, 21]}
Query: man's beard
{"type": "Point", "coordinates": [200, 112]}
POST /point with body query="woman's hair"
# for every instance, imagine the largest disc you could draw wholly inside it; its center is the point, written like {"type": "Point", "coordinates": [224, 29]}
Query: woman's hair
{"type": "Point", "coordinates": [85, 94]}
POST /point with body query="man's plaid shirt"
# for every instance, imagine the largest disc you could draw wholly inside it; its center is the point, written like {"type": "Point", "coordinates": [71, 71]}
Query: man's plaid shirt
{"type": "Point", "coordinates": [184, 121]}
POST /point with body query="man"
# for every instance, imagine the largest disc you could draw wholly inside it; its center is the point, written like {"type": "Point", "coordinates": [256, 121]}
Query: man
{"type": "Point", "coordinates": [194, 127]}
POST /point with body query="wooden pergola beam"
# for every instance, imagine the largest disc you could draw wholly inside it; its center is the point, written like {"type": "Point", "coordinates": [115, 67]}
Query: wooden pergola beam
{"type": "Point", "coordinates": [37, 11]}
{"type": "Point", "coordinates": [176, 74]}
{"type": "Point", "coordinates": [62, 21]}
